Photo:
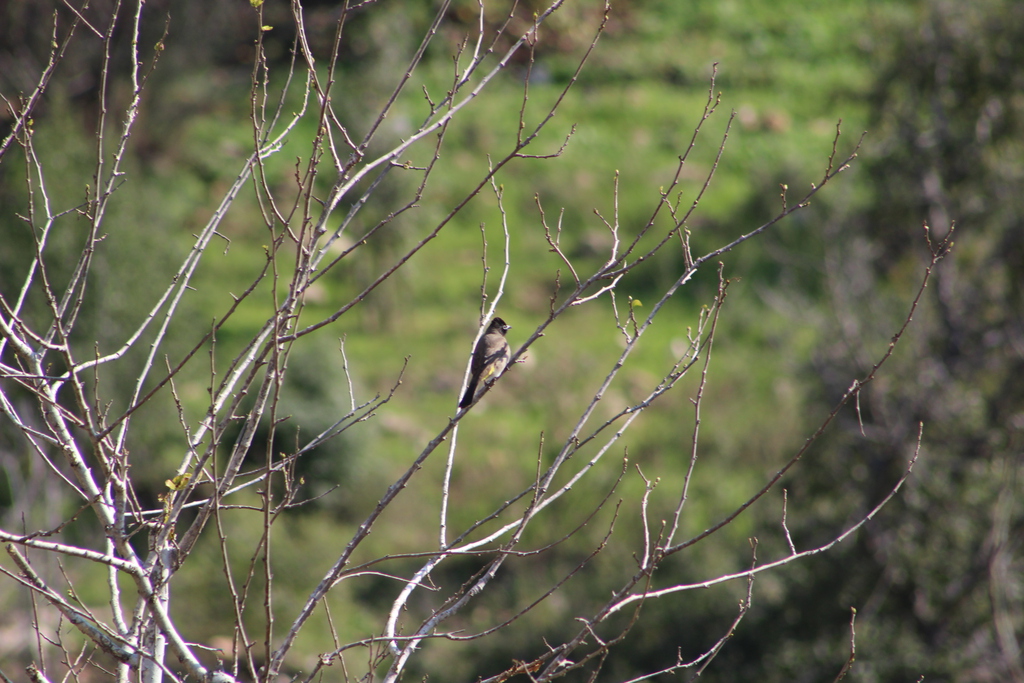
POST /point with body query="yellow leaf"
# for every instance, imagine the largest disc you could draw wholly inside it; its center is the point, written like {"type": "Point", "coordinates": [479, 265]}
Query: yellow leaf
{"type": "Point", "coordinates": [178, 483]}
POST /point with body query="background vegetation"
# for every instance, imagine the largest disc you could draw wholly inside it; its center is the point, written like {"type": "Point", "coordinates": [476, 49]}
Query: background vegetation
{"type": "Point", "coordinates": [935, 577]}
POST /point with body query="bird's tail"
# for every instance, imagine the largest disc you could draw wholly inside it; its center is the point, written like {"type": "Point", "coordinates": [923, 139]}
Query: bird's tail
{"type": "Point", "coordinates": [467, 398]}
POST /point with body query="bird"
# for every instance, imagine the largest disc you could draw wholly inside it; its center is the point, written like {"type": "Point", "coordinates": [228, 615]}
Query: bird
{"type": "Point", "coordinates": [489, 358]}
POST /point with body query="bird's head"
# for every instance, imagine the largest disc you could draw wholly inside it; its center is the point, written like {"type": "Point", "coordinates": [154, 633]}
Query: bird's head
{"type": "Point", "coordinates": [499, 325]}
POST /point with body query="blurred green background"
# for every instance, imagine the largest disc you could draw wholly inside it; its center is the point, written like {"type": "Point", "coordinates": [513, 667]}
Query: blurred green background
{"type": "Point", "coordinates": [936, 578]}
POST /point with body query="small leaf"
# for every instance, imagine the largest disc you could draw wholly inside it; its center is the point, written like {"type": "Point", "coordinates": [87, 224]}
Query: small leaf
{"type": "Point", "coordinates": [178, 483]}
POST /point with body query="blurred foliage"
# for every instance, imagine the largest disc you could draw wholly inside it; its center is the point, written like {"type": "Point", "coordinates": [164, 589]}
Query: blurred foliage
{"type": "Point", "coordinates": [935, 578]}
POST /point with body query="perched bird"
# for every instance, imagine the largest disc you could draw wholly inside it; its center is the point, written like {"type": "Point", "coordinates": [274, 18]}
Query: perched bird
{"type": "Point", "coordinates": [489, 358]}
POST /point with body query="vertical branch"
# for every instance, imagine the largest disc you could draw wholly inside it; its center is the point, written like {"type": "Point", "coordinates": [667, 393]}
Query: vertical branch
{"type": "Point", "coordinates": [696, 401]}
